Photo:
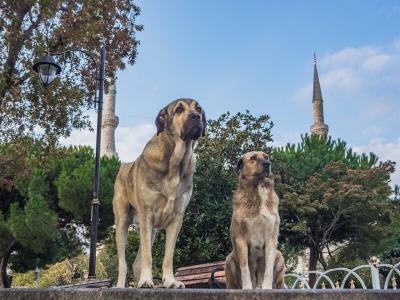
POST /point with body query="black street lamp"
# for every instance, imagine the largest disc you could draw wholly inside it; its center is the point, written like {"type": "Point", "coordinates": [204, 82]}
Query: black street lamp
{"type": "Point", "coordinates": [48, 69]}
{"type": "Point", "coordinates": [37, 275]}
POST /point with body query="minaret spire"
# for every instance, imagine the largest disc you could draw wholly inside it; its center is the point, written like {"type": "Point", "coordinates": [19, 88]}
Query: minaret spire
{"type": "Point", "coordinates": [110, 122]}
{"type": "Point", "coordinates": [318, 106]}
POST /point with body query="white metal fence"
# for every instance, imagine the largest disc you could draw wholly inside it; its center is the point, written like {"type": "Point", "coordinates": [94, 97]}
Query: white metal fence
{"type": "Point", "coordinates": [355, 278]}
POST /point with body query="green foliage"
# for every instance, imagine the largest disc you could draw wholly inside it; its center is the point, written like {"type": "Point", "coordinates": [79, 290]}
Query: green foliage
{"type": "Point", "coordinates": [396, 192]}
{"type": "Point", "coordinates": [229, 137]}
{"type": "Point", "coordinates": [47, 214]}
{"type": "Point", "coordinates": [5, 233]}
{"type": "Point", "coordinates": [332, 197]}
{"type": "Point", "coordinates": [33, 225]}
{"type": "Point", "coordinates": [75, 186]}
{"type": "Point", "coordinates": [295, 164]}
{"type": "Point", "coordinates": [110, 261]}
{"type": "Point", "coordinates": [32, 118]}
{"type": "Point", "coordinates": [68, 271]}
{"type": "Point", "coordinates": [66, 244]}
{"type": "Point", "coordinates": [74, 183]}
{"type": "Point", "coordinates": [108, 173]}
{"type": "Point", "coordinates": [28, 29]}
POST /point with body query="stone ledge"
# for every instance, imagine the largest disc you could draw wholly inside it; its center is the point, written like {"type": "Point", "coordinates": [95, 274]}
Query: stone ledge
{"type": "Point", "coordinates": [194, 294]}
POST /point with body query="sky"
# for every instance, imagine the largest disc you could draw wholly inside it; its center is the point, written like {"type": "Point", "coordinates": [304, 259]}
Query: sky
{"type": "Point", "coordinates": [234, 56]}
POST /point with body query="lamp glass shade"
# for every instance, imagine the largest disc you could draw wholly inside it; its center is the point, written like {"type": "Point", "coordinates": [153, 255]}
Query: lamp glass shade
{"type": "Point", "coordinates": [47, 69]}
{"type": "Point", "coordinates": [47, 73]}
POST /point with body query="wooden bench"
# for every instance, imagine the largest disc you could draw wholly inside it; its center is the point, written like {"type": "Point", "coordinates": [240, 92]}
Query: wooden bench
{"type": "Point", "coordinates": [211, 275]}
{"type": "Point", "coordinates": [106, 283]}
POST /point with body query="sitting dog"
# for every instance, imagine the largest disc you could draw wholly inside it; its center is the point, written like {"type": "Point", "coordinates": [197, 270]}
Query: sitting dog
{"type": "Point", "coordinates": [154, 191]}
{"type": "Point", "coordinates": [255, 262]}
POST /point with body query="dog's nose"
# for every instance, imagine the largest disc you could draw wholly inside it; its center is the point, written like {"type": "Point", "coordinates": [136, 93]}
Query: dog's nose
{"type": "Point", "coordinates": [266, 163]}
{"type": "Point", "coordinates": [194, 116]}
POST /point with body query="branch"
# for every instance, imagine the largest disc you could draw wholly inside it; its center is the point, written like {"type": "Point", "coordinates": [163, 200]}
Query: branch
{"type": "Point", "coordinates": [322, 260]}
{"type": "Point", "coordinates": [17, 46]}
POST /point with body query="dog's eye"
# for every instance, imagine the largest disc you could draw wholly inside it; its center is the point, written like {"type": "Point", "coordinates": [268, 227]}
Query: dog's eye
{"type": "Point", "coordinates": [179, 109]}
{"type": "Point", "coordinates": [198, 108]}
{"type": "Point", "coordinates": [253, 157]}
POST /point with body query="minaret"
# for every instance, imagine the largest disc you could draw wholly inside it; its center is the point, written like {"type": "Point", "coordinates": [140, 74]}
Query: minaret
{"type": "Point", "coordinates": [109, 124]}
{"type": "Point", "coordinates": [318, 106]}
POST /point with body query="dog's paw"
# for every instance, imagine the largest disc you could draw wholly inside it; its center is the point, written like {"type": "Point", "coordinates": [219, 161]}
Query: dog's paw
{"type": "Point", "coordinates": [267, 286]}
{"type": "Point", "coordinates": [121, 283]}
{"type": "Point", "coordinates": [146, 283]}
{"type": "Point", "coordinates": [247, 286]}
{"type": "Point", "coordinates": [173, 284]}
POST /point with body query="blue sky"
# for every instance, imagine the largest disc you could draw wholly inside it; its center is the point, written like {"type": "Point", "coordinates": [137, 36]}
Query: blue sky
{"type": "Point", "coordinates": [258, 55]}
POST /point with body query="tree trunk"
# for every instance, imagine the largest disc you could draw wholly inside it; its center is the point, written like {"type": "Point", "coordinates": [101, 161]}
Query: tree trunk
{"type": "Point", "coordinates": [4, 261]}
{"type": "Point", "coordinates": [312, 265]}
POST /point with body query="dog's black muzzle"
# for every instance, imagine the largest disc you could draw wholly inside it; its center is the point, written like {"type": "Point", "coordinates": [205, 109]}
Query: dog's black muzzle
{"type": "Point", "coordinates": [193, 127]}
{"type": "Point", "coordinates": [266, 167]}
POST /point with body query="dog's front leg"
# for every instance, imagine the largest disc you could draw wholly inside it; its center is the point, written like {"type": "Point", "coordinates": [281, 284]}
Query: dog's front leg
{"type": "Point", "coordinates": [243, 256]}
{"type": "Point", "coordinates": [146, 228]}
{"type": "Point", "coordinates": [172, 232]}
{"type": "Point", "coordinates": [121, 225]}
{"type": "Point", "coordinates": [270, 254]}
{"type": "Point", "coordinates": [137, 265]}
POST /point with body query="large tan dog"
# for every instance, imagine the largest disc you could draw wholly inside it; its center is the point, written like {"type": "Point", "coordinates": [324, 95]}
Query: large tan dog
{"type": "Point", "coordinates": [255, 262]}
{"type": "Point", "coordinates": [154, 191]}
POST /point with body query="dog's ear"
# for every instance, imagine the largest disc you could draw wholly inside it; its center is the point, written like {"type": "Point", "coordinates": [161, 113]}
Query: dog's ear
{"type": "Point", "coordinates": [203, 118]}
{"type": "Point", "coordinates": [161, 120]}
{"type": "Point", "coordinates": [240, 164]}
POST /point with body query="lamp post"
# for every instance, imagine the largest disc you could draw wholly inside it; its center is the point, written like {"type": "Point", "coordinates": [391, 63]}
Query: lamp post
{"type": "Point", "coordinates": [48, 69]}
{"type": "Point", "coordinates": [37, 275]}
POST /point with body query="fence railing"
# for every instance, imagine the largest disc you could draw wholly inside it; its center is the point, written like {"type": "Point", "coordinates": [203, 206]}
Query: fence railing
{"type": "Point", "coordinates": [350, 278]}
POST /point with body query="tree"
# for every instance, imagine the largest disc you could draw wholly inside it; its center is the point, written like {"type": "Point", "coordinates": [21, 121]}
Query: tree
{"type": "Point", "coordinates": [396, 192]}
{"type": "Point", "coordinates": [332, 198]}
{"type": "Point", "coordinates": [30, 114]}
{"type": "Point", "coordinates": [32, 118]}
{"type": "Point", "coordinates": [204, 236]}
{"type": "Point", "coordinates": [44, 219]}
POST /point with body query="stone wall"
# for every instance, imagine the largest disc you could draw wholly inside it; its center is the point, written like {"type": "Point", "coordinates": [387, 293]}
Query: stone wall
{"type": "Point", "coordinates": [194, 294]}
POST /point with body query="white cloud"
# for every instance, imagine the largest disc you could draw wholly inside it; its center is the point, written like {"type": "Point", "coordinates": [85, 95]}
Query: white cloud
{"type": "Point", "coordinates": [83, 137]}
{"type": "Point", "coordinates": [80, 138]}
{"type": "Point", "coordinates": [377, 62]}
{"type": "Point", "coordinates": [131, 141]}
{"type": "Point", "coordinates": [358, 67]}
{"type": "Point", "coordinates": [289, 137]}
{"type": "Point", "coordinates": [345, 79]}
{"type": "Point", "coordinates": [348, 57]}
{"type": "Point", "coordinates": [396, 44]}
